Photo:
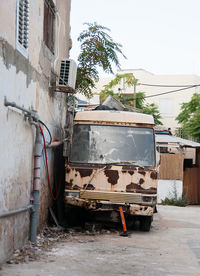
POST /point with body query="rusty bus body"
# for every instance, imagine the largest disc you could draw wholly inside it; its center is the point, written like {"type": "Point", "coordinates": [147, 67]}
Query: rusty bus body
{"type": "Point", "coordinates": [112, 163]}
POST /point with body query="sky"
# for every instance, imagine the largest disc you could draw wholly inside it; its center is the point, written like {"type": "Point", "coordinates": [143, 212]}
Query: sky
{"type": "Point", "coordinates": [160, 36]}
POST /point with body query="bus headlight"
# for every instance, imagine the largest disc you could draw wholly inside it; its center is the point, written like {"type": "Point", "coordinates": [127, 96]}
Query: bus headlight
{"type": "Point", "coordinates": [74, 194]}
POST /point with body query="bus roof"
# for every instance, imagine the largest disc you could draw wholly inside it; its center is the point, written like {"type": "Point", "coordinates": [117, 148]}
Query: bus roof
{"type": "Point", "coordinates": [114, 116]}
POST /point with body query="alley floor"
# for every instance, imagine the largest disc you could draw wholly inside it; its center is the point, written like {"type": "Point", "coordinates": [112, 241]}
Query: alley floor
{"type": "Point", "coordinates": [172, 247]}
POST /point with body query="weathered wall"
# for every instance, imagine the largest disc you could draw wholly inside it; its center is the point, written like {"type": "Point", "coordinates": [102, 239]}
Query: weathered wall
{"type": "Point", "coordinates": [26, 82]}
{"type": "Point", "coordinates": [167, 188]}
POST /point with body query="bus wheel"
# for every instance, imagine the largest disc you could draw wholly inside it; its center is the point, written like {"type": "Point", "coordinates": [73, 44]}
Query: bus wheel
{"type": "Point", "coordinates": [145, 223]}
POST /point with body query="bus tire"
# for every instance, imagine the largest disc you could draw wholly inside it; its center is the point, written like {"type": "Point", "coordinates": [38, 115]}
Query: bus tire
{"type": "Point", "coordinates": [145, 223]}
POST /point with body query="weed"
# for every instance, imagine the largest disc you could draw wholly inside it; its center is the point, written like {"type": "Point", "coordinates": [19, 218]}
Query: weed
{"type": "Point", "coordinates": [174, 200]}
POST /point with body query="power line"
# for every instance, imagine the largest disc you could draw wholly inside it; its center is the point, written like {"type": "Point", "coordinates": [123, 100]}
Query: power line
{"type": "Point", "coordinates": [166, 85]}
{"type": "Point", "coordinates": [172, 91]}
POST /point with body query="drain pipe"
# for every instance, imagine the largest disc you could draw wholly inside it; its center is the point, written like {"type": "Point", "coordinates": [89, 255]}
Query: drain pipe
{"type": "Point", "coordinates": [33, 120]}
{"type": "Point", "coordinates": [36, 184]}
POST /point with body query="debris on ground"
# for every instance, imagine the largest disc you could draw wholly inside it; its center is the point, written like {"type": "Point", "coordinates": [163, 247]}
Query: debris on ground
{"type": "Point", "coordinates": [51, 235]}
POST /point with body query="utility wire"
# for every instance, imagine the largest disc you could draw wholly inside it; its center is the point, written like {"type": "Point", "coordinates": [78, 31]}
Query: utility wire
{"type": "Point", "coordinates": [166, 85]}
{"type": "Point", "coordinates": [172, 91]}
{"type": "Point", "coordinates": [50, 136]}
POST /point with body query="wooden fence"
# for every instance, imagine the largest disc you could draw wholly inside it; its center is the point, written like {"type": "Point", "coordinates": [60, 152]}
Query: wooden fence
{"type": "Point", "coordinates": [191, 183]}
{"type": "Point", "coordinates": [171, 166]}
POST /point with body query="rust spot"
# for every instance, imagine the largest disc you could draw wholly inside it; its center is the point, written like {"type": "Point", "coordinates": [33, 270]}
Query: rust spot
{"type": "Point", "coordinates": [84, 172]}
{"type": "Point", "coordinates": [141, 171]}
{"type": "Point", "coordinates": [151, 190]}
{"type": "Point", "coordinates": [88, 187]}
{"type": "Point", "coordinates": [76, 187]}
{"type": "Point", "coordinates": [131, 172]}
{"type": "Point", "coordinates": [127, 168]}
{"type": "Point", "coordinates": [123, 171]}
{"type": "Point", "coordinates": [133, 188]}
{"type": "Point", "coordinates": [141, 181]}
{"type": "Point", "coordinates": [112, 175]}
{"type": "Point", "coordinates": [154, 175]}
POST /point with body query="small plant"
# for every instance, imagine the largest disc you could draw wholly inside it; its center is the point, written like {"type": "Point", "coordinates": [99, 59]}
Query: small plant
{"type": "Point", "coordinates": [174, 200]}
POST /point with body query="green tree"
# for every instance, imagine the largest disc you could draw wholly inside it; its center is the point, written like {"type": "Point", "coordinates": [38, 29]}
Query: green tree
{"type": "Point", "coordinates": [130, 81]}
{"type": "Point", "coordinates": [97, 50]}
{"type": "Point", "coordinates": [189, 117]}
{"type": "Point", "coordinates": [153, 110]}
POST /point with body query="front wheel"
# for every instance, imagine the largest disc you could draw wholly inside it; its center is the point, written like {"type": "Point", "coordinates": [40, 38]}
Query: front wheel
{"type": "Point", "coordinates": [145, 223]}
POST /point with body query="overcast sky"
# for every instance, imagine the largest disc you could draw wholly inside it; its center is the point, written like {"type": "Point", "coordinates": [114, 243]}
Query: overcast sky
{"type": "Point", "coordinates": [161, 36]}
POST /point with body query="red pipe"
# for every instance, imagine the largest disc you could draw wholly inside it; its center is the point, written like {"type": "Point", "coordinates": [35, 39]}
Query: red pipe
{"type": "Point", "coordinates": [47, 168]}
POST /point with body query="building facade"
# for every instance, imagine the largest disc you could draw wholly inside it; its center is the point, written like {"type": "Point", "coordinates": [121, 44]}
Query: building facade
{"type": "Point", "coordinates": [169, 104]}
{"type": "Point", "coordinates": [34, 36]}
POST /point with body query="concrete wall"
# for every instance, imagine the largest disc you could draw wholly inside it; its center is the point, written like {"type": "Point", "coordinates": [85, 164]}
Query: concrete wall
{"type": "Point", "coordinates": [168, 104]}
{"type": "Point", "coordinates": [26, 82]}
{"type": "Point", "coordinates": [166, 188]}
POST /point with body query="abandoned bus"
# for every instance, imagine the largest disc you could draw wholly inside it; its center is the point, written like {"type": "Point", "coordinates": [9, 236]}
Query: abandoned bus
{"type": "Point", "coordinates": [112, 163]}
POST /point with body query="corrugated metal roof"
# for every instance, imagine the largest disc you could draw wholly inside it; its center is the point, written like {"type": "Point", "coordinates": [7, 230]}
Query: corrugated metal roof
{"type": "Point", "coordinates": [176, 140]}
{"type": "Point", "coordinates": [114, 116]}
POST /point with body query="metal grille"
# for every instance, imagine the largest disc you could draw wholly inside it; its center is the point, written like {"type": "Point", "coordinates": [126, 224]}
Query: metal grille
{"type": "Point", "coordinates": [64, 72]}
{"type": "Point", "coordinates": [23, 23]}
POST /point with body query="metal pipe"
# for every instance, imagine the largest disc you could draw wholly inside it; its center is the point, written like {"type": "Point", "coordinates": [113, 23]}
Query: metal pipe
{"type": "Point", "coordinates": [11, 213]}
{"type": "Point", "coordinates": [36, 185]}
{"type": "Point", "coordinates": [55, 144]}
{"type": "Point", "coordinates": [33, 120]}
{"type": "Point", "coordinates": [31, 113]}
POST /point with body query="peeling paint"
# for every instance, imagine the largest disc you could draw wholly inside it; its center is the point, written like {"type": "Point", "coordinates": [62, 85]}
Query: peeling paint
{"type": "Point", "coordinates": [141, 181]}
{"type": "Point", "coordinates": [113, 176]}
{"type": "Point", "coordinates": [154, 175]}
{"type": "Point", "coordinates": [84, 172]}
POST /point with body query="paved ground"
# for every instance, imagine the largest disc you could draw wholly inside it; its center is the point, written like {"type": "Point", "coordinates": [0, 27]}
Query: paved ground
{"type": "Point", "coordinates": [172, 247]}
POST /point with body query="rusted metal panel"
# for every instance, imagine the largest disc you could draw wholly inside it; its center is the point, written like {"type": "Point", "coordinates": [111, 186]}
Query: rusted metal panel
{"type": "Point", "coordinates": [75, 201]}
{"type": "Point", "coordinates": [140, 210]}
{"type": "Point", "coordinates": [114, 117]}
{"type": "Point", "coordinates": [112, 196]}
{"type": "Point", "coordinates": [112, 178]}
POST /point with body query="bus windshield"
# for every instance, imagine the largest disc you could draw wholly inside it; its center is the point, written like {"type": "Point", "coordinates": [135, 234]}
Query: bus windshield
{"type": "Point", "coordinates": [107, 144]}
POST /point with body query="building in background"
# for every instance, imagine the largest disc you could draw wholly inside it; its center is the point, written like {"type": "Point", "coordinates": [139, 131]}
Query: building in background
{"type": "Point", "coordinates": [34, 36]}
{"type": "Point", "coordinates": [169, 104]}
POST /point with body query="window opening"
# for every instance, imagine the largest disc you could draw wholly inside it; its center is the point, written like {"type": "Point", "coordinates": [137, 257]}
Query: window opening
{"type": "Point", "coordinates": [49, 22]}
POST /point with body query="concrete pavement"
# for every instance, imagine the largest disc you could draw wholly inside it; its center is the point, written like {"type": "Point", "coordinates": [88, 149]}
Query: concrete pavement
{"type": "Point", "coordinates": [171, 248]}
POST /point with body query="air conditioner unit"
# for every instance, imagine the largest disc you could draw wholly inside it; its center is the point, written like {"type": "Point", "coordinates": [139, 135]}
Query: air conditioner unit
{"type": "Point", "coordinates": [68, 70]}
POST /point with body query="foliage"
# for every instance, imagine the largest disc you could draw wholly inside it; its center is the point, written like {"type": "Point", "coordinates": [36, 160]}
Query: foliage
{"type": "Point", "coordinates": [181, 201]}
{"type": "Point", "coordinates": [153, 110]}
{"type": "Point", "coordinates": [189, 117]}
{"type": "Point", "coordinates": [174, 200]}
{"type": "Point", "coordinates": [97, 50]}
{"type": "Point", "coordinates": [140, 98]}
{"type": "Point", "coordinates": [130, 80]}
